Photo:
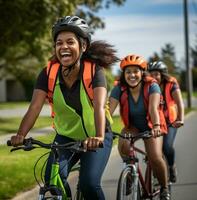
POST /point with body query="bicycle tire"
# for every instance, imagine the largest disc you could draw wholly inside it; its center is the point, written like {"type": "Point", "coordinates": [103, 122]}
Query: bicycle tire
{"type": "Point", "coordinates": [126, 188]}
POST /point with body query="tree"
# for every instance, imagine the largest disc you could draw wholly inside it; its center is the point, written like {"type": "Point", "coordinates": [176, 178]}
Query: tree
{"type": "Point", "coordinates": [153, 58]}
{"type": "Point", "coordinates": [25, 38]}
{"type": "Point", "coordinates": [169, 57]}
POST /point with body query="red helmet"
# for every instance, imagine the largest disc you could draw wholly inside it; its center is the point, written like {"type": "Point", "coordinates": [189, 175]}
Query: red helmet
{"type": "Point", "coordinates": [133, 60]}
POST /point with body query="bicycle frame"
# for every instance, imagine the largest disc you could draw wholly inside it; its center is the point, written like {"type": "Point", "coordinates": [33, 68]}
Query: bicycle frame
{"type": "Point", "coordinates": [141, 186]}
{"type": "Point", "coordinates": [145, 182]}
{"type": "Point", "coordinates": [55, 182]}
{"type": "Point", "coordinates": [55, 185]}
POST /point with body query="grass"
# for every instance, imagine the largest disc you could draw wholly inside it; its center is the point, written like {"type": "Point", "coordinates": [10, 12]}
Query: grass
{"type": "Point", "coordinates": [9, 105]}
{"type": "Point", "coordinates": [184, 94]}
{"type": "Point", "coordinates": [16, 169]}
{"type": "Point", "coordinates": [11, 125]}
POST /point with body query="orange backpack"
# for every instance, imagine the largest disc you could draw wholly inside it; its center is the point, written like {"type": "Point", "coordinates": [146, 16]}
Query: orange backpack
{"type": "Point", "coordinates": [124, 105]}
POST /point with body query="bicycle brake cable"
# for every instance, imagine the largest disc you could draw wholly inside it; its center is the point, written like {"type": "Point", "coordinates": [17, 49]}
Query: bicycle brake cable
{"type": "Point", "coordinates": [35, 165]}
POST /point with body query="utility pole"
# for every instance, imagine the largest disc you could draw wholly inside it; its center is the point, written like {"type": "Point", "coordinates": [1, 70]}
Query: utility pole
{"type": "Point", "coordinates": [188, 69]}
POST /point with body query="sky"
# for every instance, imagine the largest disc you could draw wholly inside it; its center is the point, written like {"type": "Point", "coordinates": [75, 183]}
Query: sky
{"type": "Point", "coordinates": [145, 26]}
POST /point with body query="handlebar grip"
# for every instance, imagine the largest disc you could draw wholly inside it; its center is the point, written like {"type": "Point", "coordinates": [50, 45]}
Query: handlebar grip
{"type": "Point", "coordinates": [9, 143]}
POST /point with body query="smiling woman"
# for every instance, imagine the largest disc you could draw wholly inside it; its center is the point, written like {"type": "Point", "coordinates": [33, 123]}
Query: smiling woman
{"type": "Point", "coordinates": [75, 85]}
{"type": "Point", "coordinates": [139, 98]}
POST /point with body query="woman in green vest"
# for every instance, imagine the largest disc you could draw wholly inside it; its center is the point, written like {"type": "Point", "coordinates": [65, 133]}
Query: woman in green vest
{"type": "Point", "coordinates": [77, 114]}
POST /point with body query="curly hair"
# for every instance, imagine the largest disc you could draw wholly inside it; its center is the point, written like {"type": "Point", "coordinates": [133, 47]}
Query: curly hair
{"type": "Point", "coordinates": [101, 53]}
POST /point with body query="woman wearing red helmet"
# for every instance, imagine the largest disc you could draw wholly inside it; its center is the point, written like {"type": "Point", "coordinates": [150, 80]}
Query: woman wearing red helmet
{"type": "Point", "coordinates": [139, 97]}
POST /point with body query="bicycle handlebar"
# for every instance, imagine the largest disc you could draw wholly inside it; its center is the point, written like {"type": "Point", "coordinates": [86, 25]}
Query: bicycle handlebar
{"type": "Point", "coordinates": [134, 137]}
{"type": "Point", "coordinates": [29, 144]}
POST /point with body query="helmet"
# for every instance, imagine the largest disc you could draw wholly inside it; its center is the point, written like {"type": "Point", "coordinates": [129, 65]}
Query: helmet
{"type": "Point", "coordinates": [158, 66]}
{"type": "Point", "coordinates": [73, 24]}
{"type": "Point", "coordinates": [135, 60]}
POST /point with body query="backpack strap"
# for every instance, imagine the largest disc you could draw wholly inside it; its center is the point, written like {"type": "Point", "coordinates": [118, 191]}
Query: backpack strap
{"type": "Point", "coordinates": [147, 83]}
{"type": "Point", "coordinates": [124, 106]}
{"type": "Point", "coordinates": [52, 71]}
{"type": "Point", "coordinates": [88, 74]}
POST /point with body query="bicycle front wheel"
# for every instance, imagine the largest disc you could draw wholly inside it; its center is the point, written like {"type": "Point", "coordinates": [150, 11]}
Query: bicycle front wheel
{"type": "Point", "coordinates": [127, 188]}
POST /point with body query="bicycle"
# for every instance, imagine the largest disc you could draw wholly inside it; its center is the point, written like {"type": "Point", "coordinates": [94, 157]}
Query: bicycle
{"type": "Point", "coordinates": [132, 184]}
{"type": "Point", "coordinates": [55, 189]}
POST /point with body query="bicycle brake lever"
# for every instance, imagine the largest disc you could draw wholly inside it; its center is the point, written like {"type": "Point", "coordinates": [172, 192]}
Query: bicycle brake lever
{"type": "Point", "coordinates": [25, 148]}
{"type": "Point", "coordinates": [16, 148]}
{"type": "Point", "coordinates": [28, 148]}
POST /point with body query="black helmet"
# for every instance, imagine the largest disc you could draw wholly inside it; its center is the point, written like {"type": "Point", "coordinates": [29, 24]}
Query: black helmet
{"type": "Point", "coordinates": [73, 24]}
{"type": "Point", "coordinates": [158, 66]}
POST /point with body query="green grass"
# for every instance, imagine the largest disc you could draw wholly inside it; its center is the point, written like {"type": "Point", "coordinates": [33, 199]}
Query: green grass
{"type": "Point", "coordinates": [117, 124]}
{"type": "Point", "coordinates": [184, 94]}
{"type": "Point", "coordinates": [9, 105]}
{"type": "Point", "coordinates": [16, 169]}
{"type": "Point", "coordinates": [11, 125]}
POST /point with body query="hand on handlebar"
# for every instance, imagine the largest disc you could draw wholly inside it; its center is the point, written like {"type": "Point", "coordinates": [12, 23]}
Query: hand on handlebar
{"type": "Point", "coordinates": [177, 123]}
{"type": "Point", "coordinates": [91, 143]}
{"type": "Point", "coordinates": [156, 131]}
{"type": "Point", "coordinates": [17, 140]}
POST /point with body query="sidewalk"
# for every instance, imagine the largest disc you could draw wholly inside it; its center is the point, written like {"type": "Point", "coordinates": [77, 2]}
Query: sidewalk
{"type": "Point", "coordinates": [33, 133]}
{"type": "Point", "coordinates": [20, 112]}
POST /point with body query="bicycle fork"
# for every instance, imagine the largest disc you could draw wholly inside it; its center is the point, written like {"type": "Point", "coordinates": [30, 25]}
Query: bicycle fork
{"type": "Point", "coordinates": [135, 180]}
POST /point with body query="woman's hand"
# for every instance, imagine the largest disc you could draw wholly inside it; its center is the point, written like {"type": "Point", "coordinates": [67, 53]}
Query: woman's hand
{"type": "Point", "coordinates": [17, 140]}
{"type": "Point", "coordinates": [177, 123]}
{"type": "Point", "coordinates": [92, 143]}
{"type": "Point", "coordinates": [156, 131]}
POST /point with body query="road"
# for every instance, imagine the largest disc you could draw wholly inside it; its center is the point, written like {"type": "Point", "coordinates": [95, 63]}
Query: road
{"type": "Point", "coordinates": [186, 150]}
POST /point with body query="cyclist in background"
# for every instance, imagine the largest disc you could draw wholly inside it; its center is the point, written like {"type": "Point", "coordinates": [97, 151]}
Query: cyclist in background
{"type": "Point", "coordinates": [75, 117]}
{"type": "Point", "coordinates": [139, 99]}
{"type": "Point", "coordinates": [173, 110]}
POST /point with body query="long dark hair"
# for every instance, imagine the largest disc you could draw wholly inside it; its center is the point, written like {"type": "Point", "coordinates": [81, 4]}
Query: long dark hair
{"type": "Point", "coordinates": [101, 53]}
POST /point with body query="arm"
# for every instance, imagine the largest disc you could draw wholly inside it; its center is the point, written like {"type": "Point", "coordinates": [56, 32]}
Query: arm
{"type": "Point", "coordinates": [113, 103]}
{"type": "Point", "coordinates": [154, 100]}
{"type": "Point", "coordinates": [30, 117]}
{"type": "Point", "coordinates": [176, 94]}
{"type": "Point", "coordinates": [99, 100]}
